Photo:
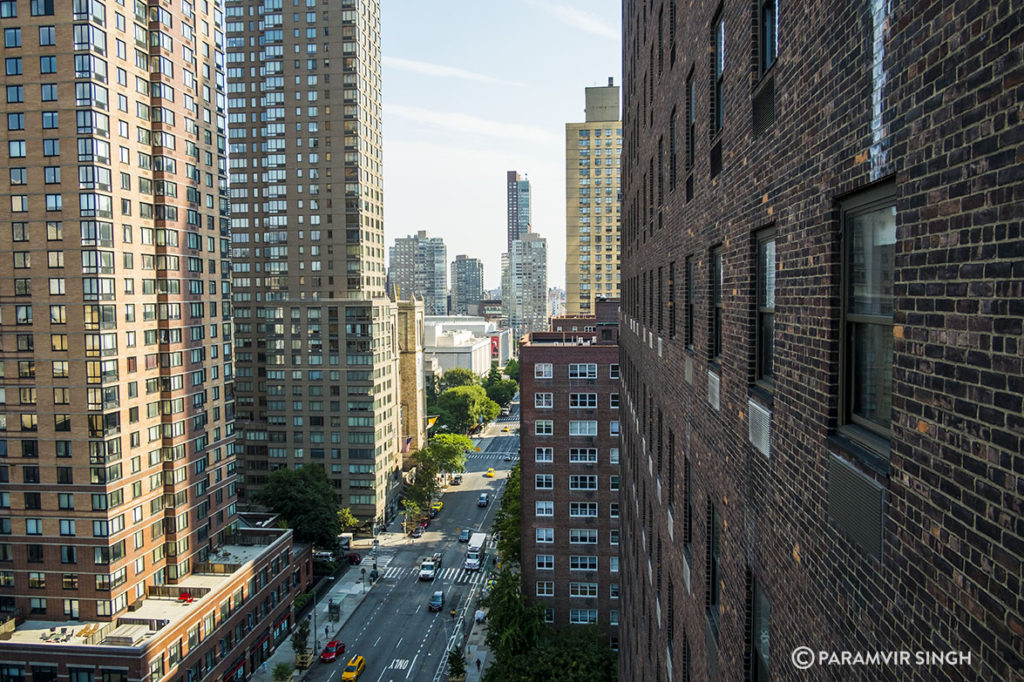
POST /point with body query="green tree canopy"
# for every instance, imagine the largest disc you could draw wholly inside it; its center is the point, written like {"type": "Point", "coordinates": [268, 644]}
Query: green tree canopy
{"type": "Point", "coordinates": [411, 510]}
{"type": "Point", "coordinates": [448, 451]}
{"type": "Point", "coordinates": [512, 370]}
{"type": "Point", "coordinates": [466, 405]}
{"type": "Point", "coordinates": [506, 520]}
{"type": "Point", "coordinates": [300, 636]}
{"type": "Point", "coordinates": [305, 499]}
{"type": "Point", "coordinates": [347, 520]}
{"type": "Point", "coordinates": [458, 376]}
{"type": "Point", "coordinates": [502, 391]}
{"type": "Point", "coordinates": [493, 376]}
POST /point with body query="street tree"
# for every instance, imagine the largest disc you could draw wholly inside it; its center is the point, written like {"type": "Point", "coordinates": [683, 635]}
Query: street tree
{"type": "Point", "coordinates": [467, 405]}
{"type": "Point", "coordinates": [512, 370]}
{"type": "Point", "coordinates": [347, 520]}
{"type": "Point", "coordinates": [300, 637]}
{"type": "Point", "coordinates": [305, 499]}
{"type": "Point", "coordinates": [514, 625]}
{"type": "Point", "coordinates": [448, 451]}
{"type": "Point", "coordinates": [493, 376]}
{"type": "Point", "coordinates": [458, 376]}
{"type": "Point", "coordinates": [506, 520]}
{"type": "Point", "coordinates": [411, 511]}
{"type": "Point", "coordinates": [282, 672]}
{"type": "Point", "coordinates": [456, 665]}
{"type": "Point", "coordinates": [502, 391]}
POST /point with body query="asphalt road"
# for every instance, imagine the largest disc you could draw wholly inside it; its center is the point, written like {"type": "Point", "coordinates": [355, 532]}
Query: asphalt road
{"type": "Point", "coordinates": [392, 628]}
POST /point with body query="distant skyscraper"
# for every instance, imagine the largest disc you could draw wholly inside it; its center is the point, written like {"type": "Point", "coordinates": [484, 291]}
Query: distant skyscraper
{"type": "Point", "coordinates": [467, 283]}
{"type": "Point", "coordinates": [524, 287]}
{"type": "Point", "coordinates": [519, 215]}
{"type": "Point", "coordinates": [313, 324]}
{"type": "Point", "coordinates": [592, 213]}
{"type": "Point", "coordinates": [419, 266]}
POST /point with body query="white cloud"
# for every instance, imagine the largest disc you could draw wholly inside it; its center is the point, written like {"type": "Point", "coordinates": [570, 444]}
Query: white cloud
{"type": "Point", "coordinates": [577, 18]}
{"type": "Point", "coordinates": [472, 125]}
{"type": "Point", "coordinates": [428, 69]}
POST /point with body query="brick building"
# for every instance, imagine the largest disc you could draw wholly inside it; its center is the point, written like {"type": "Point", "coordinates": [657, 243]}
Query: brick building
{"type": "Point", "coordinates": [569, 445]}
{"type": "Point", "coordinates": [821, 338]}
{"type": "Point", "coordinates": [220, 623]}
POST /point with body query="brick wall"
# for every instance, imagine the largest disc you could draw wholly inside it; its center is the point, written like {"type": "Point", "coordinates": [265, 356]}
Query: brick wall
{"type": "Point", "coordinates": [934, 129]}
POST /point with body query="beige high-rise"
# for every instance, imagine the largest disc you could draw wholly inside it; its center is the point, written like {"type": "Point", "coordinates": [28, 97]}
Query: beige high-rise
{"type": "Point", "coordinates": [592, 213]}
{"type": "Point", "coordinates": [116, 393]}
{"type": "Point", "coordinates": [317, 339]}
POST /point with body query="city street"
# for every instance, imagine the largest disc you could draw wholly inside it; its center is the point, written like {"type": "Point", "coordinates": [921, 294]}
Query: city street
{"type": "Point", "coordinates": [401, 639]}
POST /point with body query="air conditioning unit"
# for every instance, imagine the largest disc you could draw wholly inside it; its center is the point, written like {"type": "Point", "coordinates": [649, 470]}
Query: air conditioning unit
{"type": "Point", "coordinates": [759, 422]}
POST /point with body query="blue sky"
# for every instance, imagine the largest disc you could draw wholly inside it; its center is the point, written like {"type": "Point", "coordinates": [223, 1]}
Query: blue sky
{"type": "Point", "coordinates": [473, 89]}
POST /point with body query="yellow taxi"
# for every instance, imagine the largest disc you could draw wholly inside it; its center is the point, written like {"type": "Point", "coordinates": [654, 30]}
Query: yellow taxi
{"type": "Point", "coordinates": [490, 473]}
{"type": "Point", "coordinates": [504, 429]}
{"type": "Point", "coordinates": [355, 668]}
{"type": "Point", "coordinates": [437, 505]}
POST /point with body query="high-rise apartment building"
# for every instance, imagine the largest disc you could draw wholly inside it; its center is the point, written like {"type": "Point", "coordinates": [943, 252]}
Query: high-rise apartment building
{"type": "Point", "coordinates": [524, 286]}
{"type": "Point", "coordinates": [592, 212]}
{"type": "Point", "coordinates": [569, 455]}
{"type": "Point", "coordinates": [467, 283]}
{"type": "Point", "coordinates": [117, 461]}
{"type": "Point", "coordinates": [418, 266]}
{"type": "Point", "coordinates": [821, 335]}
{"type": "Point", "coordinates": [517, 189]}
{"type": "Point", "coordinates": [316, 340]}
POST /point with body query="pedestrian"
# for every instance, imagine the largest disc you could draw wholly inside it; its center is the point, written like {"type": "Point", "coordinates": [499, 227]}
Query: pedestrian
{"type": "Point", "coordinates": [327, 629]}
{"type": "Point", "coordinates": [478, 665]}
{"type": "Point", "coordinates": [453, 614]}
{"type": "Point", "coordinates": [263, 666]}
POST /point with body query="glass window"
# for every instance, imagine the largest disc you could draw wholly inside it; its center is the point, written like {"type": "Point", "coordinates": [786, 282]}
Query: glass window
{"type": "Point", "coordinates": [758, 632]}
{"type": "Point", "coordinates": [542, 370]}
{"type": "Point", "coordinates": [768, 34]}
{"type": "Point", "coordinates": [544, 427]}
{"type": "Point", "coordinates": [869, 269]}
{"type": "Point", "coordinates": [716, 304]}
{"type": "Point", "coordinates": [765, 327]}
{"type": "Point", "coordinates": [717, 95]}
{"type": "Point", "coordinates": [543, 400]}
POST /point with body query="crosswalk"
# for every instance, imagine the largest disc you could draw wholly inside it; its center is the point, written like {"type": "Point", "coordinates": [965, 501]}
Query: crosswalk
{"type": "Point", "coordinates": [459, 576]}
{"type": "Point", "coordinates": [500, 456]}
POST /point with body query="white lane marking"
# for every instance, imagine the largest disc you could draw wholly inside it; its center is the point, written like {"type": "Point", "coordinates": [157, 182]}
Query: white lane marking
{"type": "Point", "coordinates": [412, 666]}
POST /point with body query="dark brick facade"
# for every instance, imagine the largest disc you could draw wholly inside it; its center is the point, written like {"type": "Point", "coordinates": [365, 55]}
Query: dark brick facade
{"type": "Point", "coordinates": [864, 499]}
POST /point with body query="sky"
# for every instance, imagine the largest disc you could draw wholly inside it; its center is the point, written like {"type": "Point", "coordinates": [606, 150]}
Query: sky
{"type": "Point", "coordinates": [473, 89]}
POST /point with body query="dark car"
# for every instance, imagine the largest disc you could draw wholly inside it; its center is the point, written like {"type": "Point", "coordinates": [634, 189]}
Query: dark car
{"type": "Point", "coordinates": [507, 458]}
{"type": "Point", "coordinates": [483, 500]}
{"type": "Point", "coordinates": [464, 535]}
{"type": "Point", "coordinates": [354, 559]}
{"type": "Point", "coordinates": [331, 652]}
{"type": "Point", "coordinates": [436, 601]}
{"type": "Point", "coordinates": [417, 532]}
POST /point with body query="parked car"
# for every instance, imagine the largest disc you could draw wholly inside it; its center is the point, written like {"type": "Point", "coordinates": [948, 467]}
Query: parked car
{"type": "Point", "coordinates": [464, 535]}
{"type": "Point", "coordinates": [417, 532]}
{"type": "Point", "coordinates": [436, 601]}
{"type": "Point", "coordinates": [483, 500]}
{"type": "Point", "coordinates": [322, 555]}
{"type": "Point", "coordinates": [438, 505]}
{"type": "Point", "coordinates": [333, 649]}
{"type": "Point", "coordinates": [354, 558]}
{"type": "Point", "coordinates": [355, 668]}
{"type": "Point", "coordinates": [457, 479]}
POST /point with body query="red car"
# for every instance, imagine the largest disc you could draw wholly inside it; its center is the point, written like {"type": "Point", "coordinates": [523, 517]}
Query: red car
{"type": "Point", "coordinates": [333, 649]}
{"type": "Point", "coordinates": [353, 559]}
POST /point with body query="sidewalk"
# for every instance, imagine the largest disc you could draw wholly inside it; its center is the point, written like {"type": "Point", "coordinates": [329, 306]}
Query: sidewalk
{"type": "Point", "coordinates": [348, 591]}
{"type": "Point", "coordinates": [476, 649]}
